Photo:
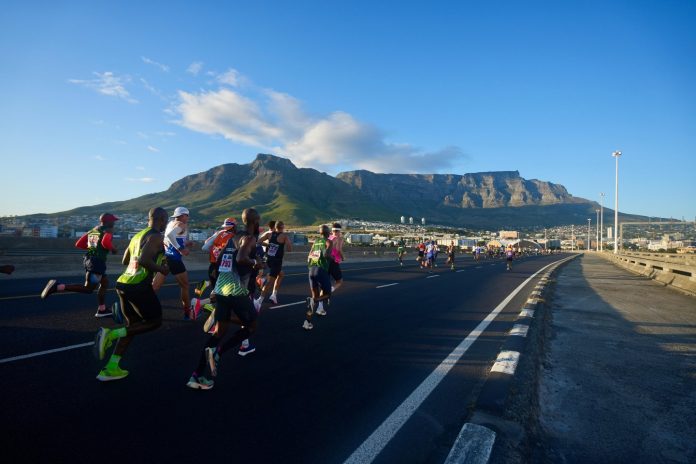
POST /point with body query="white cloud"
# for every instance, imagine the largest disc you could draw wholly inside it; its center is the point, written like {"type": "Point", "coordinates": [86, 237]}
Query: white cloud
{"type": "Point", "coordinates": [162, 67]}
{"type": "Point", "coordinates": [109, 84]}
{"type": "Point", "coordinates": [99, 158]}
{"type": "Point", "coordinates": [231, 77]}
{"type": "Point", "coordinates": [145, 180]}
{"type": "Point", "coordinates": [195, 67]}
{"type": "Point", "coordinates": [153, 149]}
{"type": "Point", "coordinates": [276, 121]}
{"type": "Point", "coordinates": [151, 88]}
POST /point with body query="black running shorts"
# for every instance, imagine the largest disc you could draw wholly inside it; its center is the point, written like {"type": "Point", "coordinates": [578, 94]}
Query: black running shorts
{"type": "Point", "coordinates": [335, 270]}
{"type": "Point", "coordinates": [176, 266]}
{"type": "Point", "coordinates": [241, 306]}
{"type": "Point", "coordinates": [274, 267]}
{"type": "Point", "coordinates": [138, 303]}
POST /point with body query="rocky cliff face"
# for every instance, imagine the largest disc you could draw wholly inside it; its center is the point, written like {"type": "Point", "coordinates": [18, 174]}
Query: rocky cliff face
{"type": "Point", "coordinates": [479, 190]}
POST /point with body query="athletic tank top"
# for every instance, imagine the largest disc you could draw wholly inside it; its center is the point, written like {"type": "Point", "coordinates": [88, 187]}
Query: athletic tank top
{"type": "Point", "coordinates": [95, 249]}
{"type": "Point", "coordinates": [317, 255]}
{"type": "Point", "coordinates": [135, 273]}
{"type": "Point", "coordinates": [229, 282]}
{"type": "Point", "coordinates": [275, 250]}
{"type": "Point", "coordinates": [171, 250]}
{"type": "Point", "coordinates": [219, 244]}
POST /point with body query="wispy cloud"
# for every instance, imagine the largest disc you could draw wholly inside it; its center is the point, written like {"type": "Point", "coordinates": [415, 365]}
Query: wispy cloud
{"type": "Point", "coordinates": [152, 89]}
{"type": "Point", "coordinates": [230, 77]}
{"type": "Point", "coordinates": [107, 83]}
{"type": "Point", "coordinates": [276, 121]}
{"type": "Point", "coordinates": [99, 158]}
{"type": "Point", "coordinates": [153, 149]}
{"type": "Point", "coordinates": [161, 66]}
{"type": "Point", "coordinates": [145, 180]}
{"type": "Point", "coordinates": [195, 67]}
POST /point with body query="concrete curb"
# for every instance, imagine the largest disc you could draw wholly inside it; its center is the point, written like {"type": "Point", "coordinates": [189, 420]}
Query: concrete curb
{"type": "Point", "coordinates": [487, 420]}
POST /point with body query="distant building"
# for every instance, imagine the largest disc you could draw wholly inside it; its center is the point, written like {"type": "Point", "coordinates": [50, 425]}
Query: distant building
{"type": "Point", "coordinates": [508, 235]}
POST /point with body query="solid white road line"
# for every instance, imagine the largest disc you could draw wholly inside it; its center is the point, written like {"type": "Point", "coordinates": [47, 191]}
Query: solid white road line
{"type": "Point", "coordinates": [41, 353]}
{"type": "Point", "coordinates": [462, 270]}
{"type": "Point", "coordinates": [387, 285]}
{"type": "Point", "coordinates": [375, 443]}
{"type": "Point", "coordinates": [286, 305]}
{"type": "Point", "coordinates": [430, 277]}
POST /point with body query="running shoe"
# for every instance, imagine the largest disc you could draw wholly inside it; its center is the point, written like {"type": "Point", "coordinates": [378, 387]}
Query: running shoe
{"type": "Point", "coordinates": [102, 313]}
{"type": "Point", "coordinates": [102, 342]}
{"type": "Point", "coordinates": [307, 325]}
{"type": "Point", "coordinates": [273, 298]}
{"type": "Point", "coordinates": [209, 307]}
{"type": "Point", "coordinates": [198, 382]}
{"type": "Point", "coordinates": [260, 281]}
{"type": "Point", "coordinates": [213, 359]}
{"type": "Point", "coordinates": [111, 373]}
{"type": "Point", "coordinates": [257, 304]}
{"type": "Point", "coordinates": [209, 325]}
{"type": "Point", "coordinates": [195, 308]}
{"type": "Point", "coordinates": [50, 288]}
{"type": "Point", "coordinates": [200, 288]}
{"type": "Point", "coordinates": [245, 350]}
{"type": "Point", "coordinates": [321, 311]}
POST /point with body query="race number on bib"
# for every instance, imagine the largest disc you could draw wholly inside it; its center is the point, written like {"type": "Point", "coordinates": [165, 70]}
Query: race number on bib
{"type": "Point", "coordinates": [133, 266]}
{"type": "Point", "coordinates": [226, 263]}
{"type": "Point", "coordinates": [272, 249]}
{"type": "Point", "coordinates": [92, 241]}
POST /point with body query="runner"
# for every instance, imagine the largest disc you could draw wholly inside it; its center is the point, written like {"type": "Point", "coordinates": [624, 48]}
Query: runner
{"type": "Point", "coordinates": [421, 255]}
{"type": "Point", "coordinates": [319, 279]}
{"type": "Point", "coordinates": [450, 255]}
{"type": "Point", "coordinates": [213, 245]}
{"type": "Point", "coordinates": [98, 243]}
{"type": "Point", "coordinates": [141, 308]}
{"type": "Point", "coordinates": [429, 255]}
{"type": "Point", "coordinates": [232, 302]}
{"type": "Point", "coordinates": [509, 254]}
{"type": "Point", "coordinates": [401, 251]}
{"type": "Point", "coordinates": [277, 244]}
{"type": "Point", "coordinates": [176, 246]}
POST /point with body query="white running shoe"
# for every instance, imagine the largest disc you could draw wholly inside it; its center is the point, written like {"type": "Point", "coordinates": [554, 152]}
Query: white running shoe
{"type": "Point", "coordinates": [257, 304]}
{"type": "Point", "coordinates": [321, 311]}
{"type": "Point", "coordinates": [274, 298]}
{"type": "Point", "coordinates": [307, 325]}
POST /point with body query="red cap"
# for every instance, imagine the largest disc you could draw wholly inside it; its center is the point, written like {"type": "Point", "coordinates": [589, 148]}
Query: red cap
{"type": "Point", "coordinates": [107, 217]}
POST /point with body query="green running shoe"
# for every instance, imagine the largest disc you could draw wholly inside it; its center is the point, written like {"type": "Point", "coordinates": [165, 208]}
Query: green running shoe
{"type": "Point", "coordinates": [199, 383]}
{"type": "Point", "coordinates": [111, 373]}
{"type": "Point", "coordinates": [102, 342]}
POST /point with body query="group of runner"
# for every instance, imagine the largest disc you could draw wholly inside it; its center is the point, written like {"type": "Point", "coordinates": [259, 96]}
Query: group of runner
{"type": "Point", "coordinates": [427, 255]}
{"type": "Point", "coordinates": [237, 261]}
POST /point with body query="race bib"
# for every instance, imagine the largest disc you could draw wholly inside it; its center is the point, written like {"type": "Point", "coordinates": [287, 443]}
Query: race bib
{"type": "Point", "coordinates": [272, 249]}
{"type": "Point", "coordinates": [92, 241]}
{"type": "Point", "coordinates": [315, 254]}
{"type": "Point", "coordinates": [226, 263]}
{"type": "Point", "coordinates": [133, 266]}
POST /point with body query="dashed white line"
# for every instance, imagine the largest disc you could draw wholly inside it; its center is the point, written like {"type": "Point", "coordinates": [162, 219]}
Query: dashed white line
{"type": "Point", "coordinates": [519, 330]}
{"type": "Point", "coordinates": [461, 270]}
{"type": "Point", "coordinates": [506, 362]}
{"type": "Point", "coordinates": [430, 277]}
{"type": "Point", "coordinates": [387, 285]}
{"type": "Point", "coordinates": [286, 305]}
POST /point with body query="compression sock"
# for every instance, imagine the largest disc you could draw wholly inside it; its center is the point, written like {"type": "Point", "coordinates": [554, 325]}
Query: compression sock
{"type": "Point", "coordinates": [113, 361]}
{"type": "Point", "coordinates": [117, 333]}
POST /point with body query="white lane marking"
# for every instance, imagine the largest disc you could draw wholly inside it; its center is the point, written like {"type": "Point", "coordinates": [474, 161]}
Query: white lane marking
{"type": "Point", "coordinates": [430, 277]}
{"type": "Point", "coordinates": [375, 443]}
{"type": "Point", "coordinates": [462, 270]}
{"type": "Point", "coordinates": [387, 285]}
{"type": "Point", "coordinates": [41, 353]}
{"type": "Point", "coordinates": [527, 312]}
{"type": "Point", "coordinates": [286, 305]}
{"type": "Point", "coordinates": [479, 267]}
{"type": "Point", "coordinates": [520, 330]}
{"type": "Point", "coordinates": [506, 362]}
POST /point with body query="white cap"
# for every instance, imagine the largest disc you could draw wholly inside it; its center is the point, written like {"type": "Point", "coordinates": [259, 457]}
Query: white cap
{"type": "Point", "coordinates": [179, 211]}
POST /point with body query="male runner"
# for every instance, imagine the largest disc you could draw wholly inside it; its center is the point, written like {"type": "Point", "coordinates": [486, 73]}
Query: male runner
{"type": "Point", "coordinates": [319, 279]}
{"type": "Point", "coordinates": [141, 308]}
{"type": "Point", "coordinates": [176, 246]}
{"type": "Point", "coordinates": [98, 243]}
{"type": "Point", "coordinates": [509, 254]}
{"type": "Point", "coordinates": [421, 255]}
{"type": "Point", "coordinates": [400, 251]}
{"type": "Point", "coordinates": [213, 245]}
{"type": "Point", "coordinates": [277, 244]}
{"type": "Point", "coordinates": [429, 254]}
{"type": "Point", "coordinates": [232, 302]}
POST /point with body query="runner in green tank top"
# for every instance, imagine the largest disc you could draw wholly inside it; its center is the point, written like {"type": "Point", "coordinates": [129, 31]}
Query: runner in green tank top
{"type": "Point", "coordinates": [319, 279]}
{"type": "Point", "coordinates": [139, 304]}
{"type": "Point", "coordinates": [97, 243]}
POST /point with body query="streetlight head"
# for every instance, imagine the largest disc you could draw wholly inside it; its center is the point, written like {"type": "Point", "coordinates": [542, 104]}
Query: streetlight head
{"type": "Point", "coordinates": [616, 154]}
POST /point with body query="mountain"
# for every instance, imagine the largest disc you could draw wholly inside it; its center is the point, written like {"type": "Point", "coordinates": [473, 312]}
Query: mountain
{"type": "Point", "coordinates": [301, 196]}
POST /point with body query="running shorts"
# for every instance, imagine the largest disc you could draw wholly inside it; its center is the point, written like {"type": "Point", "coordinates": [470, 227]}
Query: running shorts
{"type": "Point", "coordinates": [240, 305]}
{"type": "Point", "coordinates": [274, 267]}
{"type": "Point", "coordinates": [138, 303]}
{"type": "Point", "coordinates": [94, 265]}
{"type": "Point", "coordinates": [335, 270]}
{"type": "Point", "coordinates": [319, 278]}
{"type": "Point", "coordinates": [176, 266]}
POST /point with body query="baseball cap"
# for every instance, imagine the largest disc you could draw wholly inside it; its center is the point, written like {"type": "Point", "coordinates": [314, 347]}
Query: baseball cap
{"type": "Point", "coordinates": [229, 222]}
{"type": "Point", "coordinates": [107, 217]}
{"type": "Point", "coordinates": [180, 211]}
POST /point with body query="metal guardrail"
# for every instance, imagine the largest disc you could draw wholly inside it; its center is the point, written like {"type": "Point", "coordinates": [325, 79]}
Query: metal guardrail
{"type": "Point", "coordinates": [678, 271]}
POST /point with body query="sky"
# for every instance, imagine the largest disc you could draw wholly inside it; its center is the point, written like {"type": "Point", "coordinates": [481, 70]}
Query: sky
{"type": "Point", "coordinates": [105, 101]}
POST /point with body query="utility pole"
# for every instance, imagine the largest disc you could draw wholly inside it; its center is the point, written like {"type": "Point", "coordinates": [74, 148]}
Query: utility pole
{"type": "Point", "coordinates": [616, 155]}
{"type": "Point", "coordinates": [597, 242]}
{"type": "Point", "coordinates": [589, 220]}
{"type": "Point", "coordinates": [601, 222]}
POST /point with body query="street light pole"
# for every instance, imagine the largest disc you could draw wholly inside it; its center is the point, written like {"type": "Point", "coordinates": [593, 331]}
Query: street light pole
{"type": "Point", "coordinates": [616, 155]}
{"type": "Point", "coordinates": [597, 240]}
{"type": "Point", "coordinates": [601, 222]}
{"type": "Point", "coordinates": [589, 220]}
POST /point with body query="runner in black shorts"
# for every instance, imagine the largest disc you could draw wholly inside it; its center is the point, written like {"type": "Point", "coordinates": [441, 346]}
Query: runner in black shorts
{"type": "Point", "coordinates": [277, 244]}
{"type": "Point", "coordinates": [141, 308]}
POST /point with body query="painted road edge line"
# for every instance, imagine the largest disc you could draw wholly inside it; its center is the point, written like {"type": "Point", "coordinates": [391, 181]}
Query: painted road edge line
{"type": "Point", "coordinates": [387, 285]}
{"type": "Point", "coordinates": [378, 440]}
{"type": "Point", "coordinates": [41, 353]}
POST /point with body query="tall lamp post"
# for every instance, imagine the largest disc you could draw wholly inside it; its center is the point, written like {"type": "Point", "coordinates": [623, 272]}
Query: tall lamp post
{"type": "Point", "coordinates": [616, 155]}
{"type": "Point", "coordinates": [589, 220]}
{"type": "Point", "coordinates": [597, 240]}
{"type": "Point", "coordinates": [601, 222]}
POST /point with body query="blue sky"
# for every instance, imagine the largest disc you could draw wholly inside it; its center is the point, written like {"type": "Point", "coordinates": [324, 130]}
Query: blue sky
{"type": "Point", "coordinates": [106, 101]}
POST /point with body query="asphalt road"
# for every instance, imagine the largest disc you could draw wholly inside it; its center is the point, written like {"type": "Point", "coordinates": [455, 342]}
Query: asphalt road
{"type": "Point", "coordinates": [310, 397]}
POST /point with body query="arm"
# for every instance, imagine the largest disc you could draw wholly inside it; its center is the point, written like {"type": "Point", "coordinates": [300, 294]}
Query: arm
{"type": "Point", "coordinates": [82, 242]}
{"type": "Point", "coordinates": [171, 238]}
{"type": "Point", "coordinates": [246, 244]}
{"type": "Point", "coordinates": [263, 238]}
{"type": "Point", "coordinates": [150, 250]}
{"type": "Point", "coordinates": [209, 241]}
{"type": "Point", "coordinates": [107, 242]}
{"type": "Point", "coordinates": [126, 257]}
{"type": "Point", "coordinates": [286, 242]}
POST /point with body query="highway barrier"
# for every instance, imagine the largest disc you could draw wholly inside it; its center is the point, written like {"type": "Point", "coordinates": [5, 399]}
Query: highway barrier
{"type": "Point", "coordinates": [677, 271]}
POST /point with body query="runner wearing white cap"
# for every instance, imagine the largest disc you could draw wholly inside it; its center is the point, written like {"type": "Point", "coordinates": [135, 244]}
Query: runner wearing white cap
{"type": "Point", "coordinates": [176, 246]}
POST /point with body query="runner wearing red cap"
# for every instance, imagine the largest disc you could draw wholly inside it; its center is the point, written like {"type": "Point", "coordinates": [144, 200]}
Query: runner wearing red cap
{"type": "Point", "coordinates": [98, 243]}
